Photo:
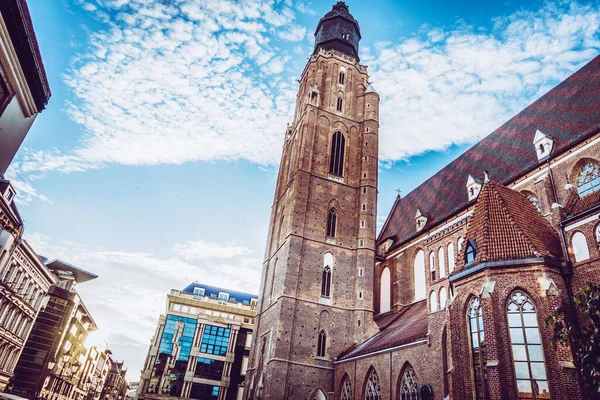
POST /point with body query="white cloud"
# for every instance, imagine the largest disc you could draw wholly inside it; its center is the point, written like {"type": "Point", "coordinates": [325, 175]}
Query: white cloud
{"type": "Point", "coordinates": [201, 249]}
{"type": "Point", "coordinates": [129, 293]}
{"type": "Point", "coordinates": [205, 80]}
{"type": "Point", "coordinates": [440, 88]}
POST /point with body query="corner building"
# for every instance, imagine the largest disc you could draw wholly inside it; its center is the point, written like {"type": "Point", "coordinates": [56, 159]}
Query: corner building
{"type": "Point", "coordinates": [317, 279]}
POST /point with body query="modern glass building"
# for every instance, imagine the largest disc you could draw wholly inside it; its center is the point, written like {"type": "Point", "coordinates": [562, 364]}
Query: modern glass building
{"type": "Point", "coordinates": [201, 346]}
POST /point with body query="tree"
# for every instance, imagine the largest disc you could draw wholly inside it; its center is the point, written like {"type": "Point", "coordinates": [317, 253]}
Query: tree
{"type": "Point", "coordinates": [583, 336]}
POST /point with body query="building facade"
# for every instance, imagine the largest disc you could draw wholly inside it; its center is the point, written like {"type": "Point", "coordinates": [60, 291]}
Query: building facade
{"type": "Point", "coordinates": [24, 89]}
{"type": "Point", "coordinates": [450, 301]}
{"type": "Point", "coordinates": [54, 356]}
{"type": "Point", "coordinates": [24, 281]}
{"type": "Point", "coordinates": [316, 297]}
{"type": "Point", "coordinates": [201, 346]}
{"type": "Point", "coordinates": [115, 386]}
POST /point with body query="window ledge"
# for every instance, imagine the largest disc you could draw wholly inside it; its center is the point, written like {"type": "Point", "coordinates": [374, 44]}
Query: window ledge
{"type": "Point", "coordinates": [330, 240]}
{"type": "Point", "coordinates": [335, 178]}
{"type": "Point", "coordinates": [325, 300]}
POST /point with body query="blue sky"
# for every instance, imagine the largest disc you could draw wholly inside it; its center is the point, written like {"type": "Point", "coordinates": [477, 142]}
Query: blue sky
{"type": "Point", "coordinates": [155, 162]}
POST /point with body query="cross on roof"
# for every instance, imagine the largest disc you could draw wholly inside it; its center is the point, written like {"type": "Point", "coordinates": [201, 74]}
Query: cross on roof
{"type": "Point", "coordinates": [399, 191]}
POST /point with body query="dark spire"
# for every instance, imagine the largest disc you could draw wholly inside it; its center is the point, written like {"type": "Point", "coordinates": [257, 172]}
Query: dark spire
{"type": "Point", "coordinates": [338, 30]}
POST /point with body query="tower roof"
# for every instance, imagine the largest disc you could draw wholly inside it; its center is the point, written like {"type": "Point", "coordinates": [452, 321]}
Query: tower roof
{"type": "Point", "coordinates": [338, 30]}
{"type": "Point", "coordinates": [506, 226]}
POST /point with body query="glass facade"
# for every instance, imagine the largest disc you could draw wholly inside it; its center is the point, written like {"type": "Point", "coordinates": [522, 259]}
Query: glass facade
{"type": "Point", "coordinates": [204, 392]}
{"type": "Point", "coordinates": [215, 340]}
{"type": "Point", "coordinates": [209, 369]}
{"type": "Point", "coordinates": [181, 331]}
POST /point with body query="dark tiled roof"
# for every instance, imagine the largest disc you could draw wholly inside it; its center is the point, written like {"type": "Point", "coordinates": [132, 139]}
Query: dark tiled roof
{"type": "Point", "coordinates": [213, 291]}
{"type": "Point", "coordinates": [507, 226]}
{"type": "Point", "coordinates": [410, 325]}
{"type": "Point", "coordinates": [569, 113]}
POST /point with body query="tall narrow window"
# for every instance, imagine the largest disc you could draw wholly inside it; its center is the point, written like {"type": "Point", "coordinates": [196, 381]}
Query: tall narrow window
{"type": "Point", "coordinates": [409, 388]}
{"type": "Point", "coordinates": [442, 262]}
{"type": "Point", "coordinates": [322, 344]}
{"type": "Point", "coordinates": [340, 104]}
{"type": "Point", "coordinates": [433, 304]}
{"type": "Point", "coordinates": [342, 77]}
{"type": "Point", "coordinates": [419, 275]}
{"type": "Point", "coordinates": [326, 277]}
{"type": "Point", "coordinates": [443, 298]}
{"type": "Point", "coordinates": [596, 232]}
{"type": "Point", "coordinates": [477, 339]}
{"type": "Point", "coordinates": [432, 265]}
{"type": "Point", "coordinates": [580, 247]}
{"type": "Point", "coordinates": [527, 351]}
{"type": "Point", "coordinates": [336, 156]}
{"type": "Point", "coordinates": [385, 289]}
{"type": "Point", "coordinates": [451, 257]}
{"type": "Point", "coordinates": [588, 180]}
{"type": "Point", "coordinates": [331, 222]}
{"type": "Point", "coordinates": [346, 389]}
{"type": "Point", "coordinates": [372, 387]}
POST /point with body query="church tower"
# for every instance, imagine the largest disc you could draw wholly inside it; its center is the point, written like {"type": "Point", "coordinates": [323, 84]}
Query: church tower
{"type": "Point", "coordinates": [316, 295]}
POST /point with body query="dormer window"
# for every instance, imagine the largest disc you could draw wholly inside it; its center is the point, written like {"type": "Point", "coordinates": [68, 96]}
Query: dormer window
{"type": "Point", "coordinates": [199, 291]}
{"type": "Point", "coordinates": [223, 296]}
{"type": "Point", "coordinates": [470, 251]}
{"type": "Point", "coordinates": [543, 145]}
{"type": "Point", "coordinates": [421, 219]}
{"type": "Point", "coordinates": [9, 194]}
{"type": "Point", "coordinates": [473, 187]}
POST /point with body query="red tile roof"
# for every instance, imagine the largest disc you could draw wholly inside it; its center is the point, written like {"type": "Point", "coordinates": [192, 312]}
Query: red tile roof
{"type": "Point", "coordinates": [507, 226]}
{"type": "Point", "coordinates": [410, 325]}
{"type": "Point", "coordinates": [569, 113]}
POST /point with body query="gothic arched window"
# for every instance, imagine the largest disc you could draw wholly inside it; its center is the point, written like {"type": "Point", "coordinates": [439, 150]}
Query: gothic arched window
{"type": "Point", "coordinates": [443, 298]}
{"type": "Point", "coordinates": [597, 233]}
{"type": "Point", "coordinates": [336, 156]}
{"type": "Point", "coordinates": [342, 77]}
{"type": "Point", "coordinates": [442, 262]}
{"type": "Point", "coordinates": [326, 278]}
{"type": "Point", "coordinates": [331, 222]}
{"type": "Point", "coordinates": [527, 351]}
{"type": "Point", "coordinates": [409, 388]}
{"type": "Point", "coordinates": [372, 388]}
{"type": "Point", "coordinates": [580, 247]}
{"type": "Point", "coordinates": [432, 265]}
{"type": "Point", "coordinates": [451, 261]}
{"type": "Point", "coordinates": [470, 251]}
{"type": "Point", "coordinates": [588, 180]}
{"type": "Point", "coordinates": [340, 104]}
{"type": "Point", "coordinates": [385, 302]}
{"type": "Point", "coordinates": [477, 340]}
{"type": "Point", "coordinates": [322, 344]}
{"type": "Point", "coordinates": [433, 304]}
{"type": "Point", "coordinates": [346, 389]}
{"type": "Point", "coordinates": [419, 275]}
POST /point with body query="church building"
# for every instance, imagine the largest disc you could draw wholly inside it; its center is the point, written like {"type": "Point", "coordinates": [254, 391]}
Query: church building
{"type": "Point", "coordinates": [449, 300]}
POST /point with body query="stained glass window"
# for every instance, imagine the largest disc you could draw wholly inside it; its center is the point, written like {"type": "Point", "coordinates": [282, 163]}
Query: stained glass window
{"type": "Point", "coordinates": [409, 388]}
{"type": "Point", "coordinates": [373, 390]}
{"type": "Point", "coordinates": [215, 340]}
{"type": "Point", "coordinates": [346, 389]}
{"type": "Point", "coordinates": [526, 345]}
{"type": "Point", "coordinates": [588, 180]}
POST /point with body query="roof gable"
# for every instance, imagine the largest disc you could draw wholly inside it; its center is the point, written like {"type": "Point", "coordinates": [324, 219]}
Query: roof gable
{"type": "Point", "coordinates": [569, 113]}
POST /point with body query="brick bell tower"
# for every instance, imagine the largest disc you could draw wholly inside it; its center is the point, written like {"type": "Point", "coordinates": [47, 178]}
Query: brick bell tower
{"type": "Point", "coordinates": [316, 295]}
